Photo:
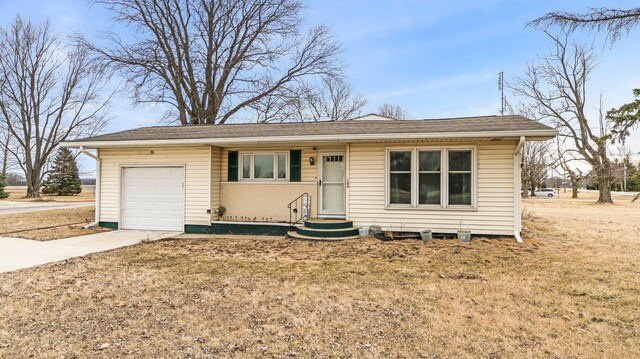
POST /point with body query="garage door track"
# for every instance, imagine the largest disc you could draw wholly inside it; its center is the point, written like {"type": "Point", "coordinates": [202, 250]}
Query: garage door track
{"type": "Point", "coordinates": [18, 253]}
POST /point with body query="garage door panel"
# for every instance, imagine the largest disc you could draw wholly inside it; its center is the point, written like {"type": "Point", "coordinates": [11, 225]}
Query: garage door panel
{"type": "Point", "coordinates": [144, 175]}
{"type": "Point", "coordinates": [162, 206]}
{"type": "Point", "coordinates": [163, 190]}
{"type": "Point", "coordinates": [153, 198]}
{"type": "Point", "coordinates": [174, 176]}
{"type": "Point", "coordinates": [144, 206]}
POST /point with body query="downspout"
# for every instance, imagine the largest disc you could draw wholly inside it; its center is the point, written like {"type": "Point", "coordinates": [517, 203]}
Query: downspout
{"type": "Point", "coordinates": [98, 170]}
{"type": "Point", "coordinates": [517, 216]}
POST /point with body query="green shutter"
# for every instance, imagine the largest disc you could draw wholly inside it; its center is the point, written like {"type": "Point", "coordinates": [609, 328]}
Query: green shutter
{"type": "Point", "coordinates": [295, 166]}
{"type": "Point", "coordinates": [232, 167]}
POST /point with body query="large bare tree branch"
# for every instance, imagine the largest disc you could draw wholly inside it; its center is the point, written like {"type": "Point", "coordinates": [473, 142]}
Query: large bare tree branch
{"type": "Point", "coordinates": [615, 22]}
{"type": "Point", "coordinates": [212, 60]}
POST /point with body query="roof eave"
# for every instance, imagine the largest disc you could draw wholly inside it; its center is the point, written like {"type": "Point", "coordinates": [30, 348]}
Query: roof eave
{"type": "Point", "coordinates": [531, 134]}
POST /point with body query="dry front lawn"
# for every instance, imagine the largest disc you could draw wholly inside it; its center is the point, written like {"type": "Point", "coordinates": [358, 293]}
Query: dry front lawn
{"type": "Point", "coordinates": [49, 224]}
{"type": "Point", "coordinates": [18, 193]}
{"type": "Point", "coordinates": [572, 290]}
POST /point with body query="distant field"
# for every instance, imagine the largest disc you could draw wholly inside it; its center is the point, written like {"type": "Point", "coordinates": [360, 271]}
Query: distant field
{"type": "Point", "coordinates": [571, 290]}
{"type": "Point", "coordinates": [50, 224]}
{"type": "Point", "coordinates": [18, 193]}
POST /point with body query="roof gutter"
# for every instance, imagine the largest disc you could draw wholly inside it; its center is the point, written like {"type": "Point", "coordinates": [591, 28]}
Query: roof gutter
{"type": "Point", "coordinates": [517, 217]}
{"type": "Point", "coordinates": [311, 138]}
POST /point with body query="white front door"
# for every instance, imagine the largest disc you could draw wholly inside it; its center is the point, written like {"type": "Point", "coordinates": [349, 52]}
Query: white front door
{"type": "Point", "coordinates": [332, 184]}
{"type": "Point", "coordinates": [152, 198]}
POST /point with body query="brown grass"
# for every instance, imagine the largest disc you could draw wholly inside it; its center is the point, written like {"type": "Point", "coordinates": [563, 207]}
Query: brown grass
{"type": "Point", "coordinates": [572, 290]}
{"type": "Point", "coordinates": [66, 222]}
{"type": "Point", "coordinates": [19, 193]}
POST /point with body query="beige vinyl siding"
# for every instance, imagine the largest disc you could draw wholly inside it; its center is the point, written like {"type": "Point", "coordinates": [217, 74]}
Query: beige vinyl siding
{"type": "Point", "coordinates": [263, 201]}
{"type": "Point", "coordinates": [216, 159]}
{"type": "Point", "coordinates": [197, 166]}
{"type": "Point", "coordinates": [494, 212]}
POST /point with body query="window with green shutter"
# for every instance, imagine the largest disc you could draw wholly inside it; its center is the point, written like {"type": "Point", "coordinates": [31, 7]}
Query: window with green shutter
{"type": "Point", "coordinates": [295, 166]}
{"type": "Point", "coordinates": [263, 166]}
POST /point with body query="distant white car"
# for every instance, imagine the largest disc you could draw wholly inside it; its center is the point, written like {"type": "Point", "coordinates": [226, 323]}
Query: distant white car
{"type": "Point", "coordinates": [545, 192]}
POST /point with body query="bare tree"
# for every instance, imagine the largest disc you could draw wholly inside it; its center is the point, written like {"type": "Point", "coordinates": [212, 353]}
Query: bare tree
{"type": "Point", "coordinates": [618, 167]}
{"type": "Point", "coordinates": [622, 166]}
{"type": "Point", "coordinates": [338, 102]}
{"type": "Point", "coordinates": [536, 156]}
{"type": "Point", "coordinates": [615, 22]}
{"type": "Point", "coordinates": [5, 143]}
{"type": "Point", "coordinates": [333, 99]}
{"type": "Point", "coordinates": [392, 111]}
{"type": "Point", "coordinates": [211, 60]}
{"type": "Point", "coordinates": [48, 94]}
{"type": "Point", "coordinates": [566, 157]}
{"type": "Point", "coordinates": [556, 87]}
{"type": "Point", "coordinates": [535, 164]}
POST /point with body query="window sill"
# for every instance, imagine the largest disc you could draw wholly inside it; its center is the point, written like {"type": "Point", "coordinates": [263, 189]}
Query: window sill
{"type": "Point", "coordinates": [432, 208]}
{"type": "Point", "coordinates": [264, 180]}
{"type": "Point", "coordinates": [268, 182]}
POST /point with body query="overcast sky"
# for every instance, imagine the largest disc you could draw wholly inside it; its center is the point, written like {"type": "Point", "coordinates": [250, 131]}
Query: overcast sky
{"type": "Point", "coordinates": [433, 58]}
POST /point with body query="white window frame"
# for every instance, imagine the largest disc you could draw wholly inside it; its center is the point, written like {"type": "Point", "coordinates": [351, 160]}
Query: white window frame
{"type": "Point", "coordinates": [251, 166]}
{"type": "Point", "coordinates": [473, 177]}
{"type": "Point", "coordinates": [444, 177]}
{"type": "Point", "coordinates": [417, 178]}
{"type": "Point", "coordinates": [388, 178]}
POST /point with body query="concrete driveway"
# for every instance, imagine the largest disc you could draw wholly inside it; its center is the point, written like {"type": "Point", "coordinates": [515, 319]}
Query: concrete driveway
{"type": "Point", "coordinates": [18, 253]}
{"type": "Point", "coordinates": [10, 207]}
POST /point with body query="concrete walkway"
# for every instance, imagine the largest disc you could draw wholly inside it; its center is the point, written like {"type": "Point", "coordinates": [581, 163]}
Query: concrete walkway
{"type": "Point", "coordinates": [18, 253]}
{"type": "Point", "coordinates": [11, 207]}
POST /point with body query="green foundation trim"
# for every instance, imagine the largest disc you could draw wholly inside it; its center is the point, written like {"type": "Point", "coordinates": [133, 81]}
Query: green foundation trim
{"type": "Point", "coordinates": [110, 225]}
{"type": "Point", "coordinates": [197, 229]}
{"type": "Point", "coordinates": [260, 229]}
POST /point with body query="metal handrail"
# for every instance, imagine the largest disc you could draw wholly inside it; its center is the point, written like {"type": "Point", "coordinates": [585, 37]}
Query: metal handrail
{"type": "Point", "coordinates": [299, 209]}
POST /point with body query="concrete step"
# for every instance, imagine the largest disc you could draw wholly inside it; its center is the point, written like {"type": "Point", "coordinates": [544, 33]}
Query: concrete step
{"type": "Point", "coordinates": [326, 232]}
{"type": "Point", "coordinates": [328, 224]}
{"type": "Point", "coordinates": [295, 235]}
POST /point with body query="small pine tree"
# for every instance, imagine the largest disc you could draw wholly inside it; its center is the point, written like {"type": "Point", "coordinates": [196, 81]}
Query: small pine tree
{"type": "Point", "coordinates": [64, 180]}
{"type": "Point", "coordinates": [3, 184]}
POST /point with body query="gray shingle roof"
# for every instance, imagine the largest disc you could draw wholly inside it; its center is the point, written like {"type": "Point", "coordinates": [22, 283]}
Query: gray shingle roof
{"type": "Point", "coordinates": [345, 128]}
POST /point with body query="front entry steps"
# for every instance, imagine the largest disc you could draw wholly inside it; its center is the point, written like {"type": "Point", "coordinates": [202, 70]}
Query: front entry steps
{"type": "Point", "coordinates": [324, 230]}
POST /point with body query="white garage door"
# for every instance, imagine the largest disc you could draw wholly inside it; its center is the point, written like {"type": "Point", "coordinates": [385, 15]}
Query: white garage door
{"type": "Point", "coordinates": [153, 198]}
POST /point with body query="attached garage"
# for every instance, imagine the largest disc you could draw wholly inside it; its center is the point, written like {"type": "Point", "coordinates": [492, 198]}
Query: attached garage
{"type": "Point", "coordinates": [152, 198]}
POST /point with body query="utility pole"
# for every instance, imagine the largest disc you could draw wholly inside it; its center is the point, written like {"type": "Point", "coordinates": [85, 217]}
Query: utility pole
{"type": "Point", "coordinates": [503, 101]}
